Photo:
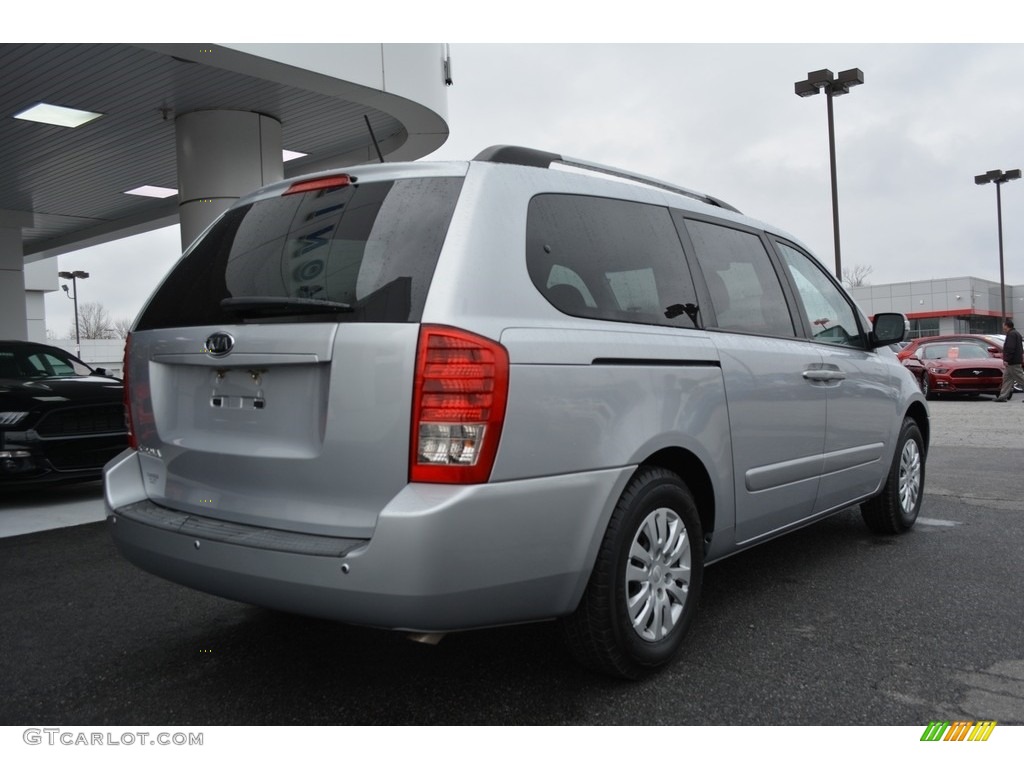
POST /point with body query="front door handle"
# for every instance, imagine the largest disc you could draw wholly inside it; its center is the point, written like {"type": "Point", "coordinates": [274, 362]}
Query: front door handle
{"type": "Point", "coordinates": [823, 372]}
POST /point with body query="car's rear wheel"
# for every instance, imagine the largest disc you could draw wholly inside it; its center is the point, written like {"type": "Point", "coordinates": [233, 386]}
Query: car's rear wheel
{"type": "Point", "coordinates": [895, 509]}
{"type": "Point", "coordinates": [643, 591]}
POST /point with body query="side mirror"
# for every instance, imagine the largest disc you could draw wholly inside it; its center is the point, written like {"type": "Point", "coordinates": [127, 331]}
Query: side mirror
{"type": "Point", "coordinates": [889, 328]}
{"type": "Point", "coordinates": [100, 371]}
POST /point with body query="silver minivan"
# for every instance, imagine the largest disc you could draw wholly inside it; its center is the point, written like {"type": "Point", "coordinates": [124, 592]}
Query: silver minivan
{"type": "Point", "coordinates": [436, 396]}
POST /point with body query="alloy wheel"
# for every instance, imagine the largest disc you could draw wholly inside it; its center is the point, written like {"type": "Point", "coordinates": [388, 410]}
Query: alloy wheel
{"type": "Point", "coordinates": [910, 476]}
{"type": "Point", "coordinates": [657, 578]}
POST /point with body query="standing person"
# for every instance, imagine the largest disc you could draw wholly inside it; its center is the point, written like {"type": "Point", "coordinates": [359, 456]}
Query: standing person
{"type": "Point", "coordinates": [1013, 355]}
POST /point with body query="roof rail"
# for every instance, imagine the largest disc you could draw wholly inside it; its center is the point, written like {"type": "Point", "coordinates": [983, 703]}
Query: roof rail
{"type": "Point", "coordinates": [504, 153]}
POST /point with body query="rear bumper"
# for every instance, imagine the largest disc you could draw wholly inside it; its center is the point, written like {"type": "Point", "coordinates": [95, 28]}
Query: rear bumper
{"type": "Point", "coordinates": [441, 558]}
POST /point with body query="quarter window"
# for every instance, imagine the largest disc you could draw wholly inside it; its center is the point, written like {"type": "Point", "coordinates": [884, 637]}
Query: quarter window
{"type": "Point", "coordinates": [609, 259]}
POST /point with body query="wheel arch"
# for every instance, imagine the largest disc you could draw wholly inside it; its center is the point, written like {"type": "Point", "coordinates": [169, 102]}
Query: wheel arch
{"type": "Point", "coordinates": [693, 472]}
{"type": "Point", "coordinates": [919, 413]}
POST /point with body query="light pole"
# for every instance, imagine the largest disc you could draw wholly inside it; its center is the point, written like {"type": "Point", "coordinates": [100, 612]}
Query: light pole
{"type": "Point", "coordinates": [817, 81]}
{"type": "Point", "coordinates": [999, 178]}
{"type": "Point", "coordinates": [74, 277]}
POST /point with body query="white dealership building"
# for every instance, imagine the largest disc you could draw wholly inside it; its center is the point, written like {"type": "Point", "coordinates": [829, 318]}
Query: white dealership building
{"type": "Point", "coordinates": [951, 305]}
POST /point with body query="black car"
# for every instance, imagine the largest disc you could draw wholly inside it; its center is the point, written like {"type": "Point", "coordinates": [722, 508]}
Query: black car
{"type": "Point", "coordinates": [60, 420]}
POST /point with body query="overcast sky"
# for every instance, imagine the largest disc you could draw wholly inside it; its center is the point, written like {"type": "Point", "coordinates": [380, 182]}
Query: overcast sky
{"type": "Point", "coordinates": [724, 119]}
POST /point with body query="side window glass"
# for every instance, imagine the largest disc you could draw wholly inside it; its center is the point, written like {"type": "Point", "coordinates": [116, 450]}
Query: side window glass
{"type": "Point", "coordinates": [609, 259]}
{"type": "Point", "coordinates": [563, 280]}
{"type": "Point", "coordinates": [745, 289]}
{"type": "Point", "coordinates": [833, 319]}
{"type": "Point", "coordinates": [59, 367]}
{"type": "Point", "coordinates": [635, 290]}
{"type": "Point", "coordinates": [37, 365]}
{"type": "Point", "coordinates": [45, 364]}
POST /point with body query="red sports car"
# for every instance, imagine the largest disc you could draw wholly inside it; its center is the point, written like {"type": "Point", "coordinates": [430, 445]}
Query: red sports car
{"type": "Point", "coordinates": [993, 343]}
{"type": "Point", "coordinates": [958, 367]}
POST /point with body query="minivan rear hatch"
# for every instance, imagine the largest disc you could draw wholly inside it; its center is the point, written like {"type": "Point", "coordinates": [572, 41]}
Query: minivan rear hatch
{"type": "Point", "coordinates": [270, 376]}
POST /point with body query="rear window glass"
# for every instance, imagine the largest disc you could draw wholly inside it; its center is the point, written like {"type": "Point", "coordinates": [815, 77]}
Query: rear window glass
{"type": "Point", "coordinates": [372, 247]}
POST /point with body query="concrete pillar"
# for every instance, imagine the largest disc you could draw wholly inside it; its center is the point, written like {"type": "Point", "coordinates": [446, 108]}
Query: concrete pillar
{"type": "Point", "coordinates": [12, 285]}
{"type": "Point", "coordinates": [222, 155]}
{"type": "Point", "coordinates": [40, 279]}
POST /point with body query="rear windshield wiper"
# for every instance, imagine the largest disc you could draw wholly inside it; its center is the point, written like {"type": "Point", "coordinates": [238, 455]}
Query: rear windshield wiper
{"type": "Point", "coordinates": [281, 305]}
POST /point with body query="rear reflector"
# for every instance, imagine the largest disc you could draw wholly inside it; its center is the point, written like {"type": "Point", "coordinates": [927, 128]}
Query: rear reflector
{"type": "Point", "coordinates": [459, 397]}
{"type": "Point", "coordinates": [313, 185]}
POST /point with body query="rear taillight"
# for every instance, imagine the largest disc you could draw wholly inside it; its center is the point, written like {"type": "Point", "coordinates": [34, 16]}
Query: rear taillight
{"type": "Point", "coordinates": [459, 396]}
{"type": "Point", "coordinates": [138, 408]}
{"type": "Point", "coordinates": [132, 441]}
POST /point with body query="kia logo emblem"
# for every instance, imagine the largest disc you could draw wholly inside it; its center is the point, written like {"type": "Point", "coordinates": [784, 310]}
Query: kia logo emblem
{"type": "Point", "coordinates": [219, 344]}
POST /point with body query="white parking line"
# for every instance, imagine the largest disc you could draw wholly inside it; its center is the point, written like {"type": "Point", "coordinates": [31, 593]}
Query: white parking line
{"type": "Point", "coordinates": [933, 521]}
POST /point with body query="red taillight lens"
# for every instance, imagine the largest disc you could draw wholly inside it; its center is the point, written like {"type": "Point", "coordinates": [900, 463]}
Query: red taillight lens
{"type": "Point", "coordinates": [138, 408]}
{"type": "Point", "coordinates": [132, 441]}
{"type": "Point", "coordinates": [313, 185]}
{"type": "Point", "coordinates": [459, 398]}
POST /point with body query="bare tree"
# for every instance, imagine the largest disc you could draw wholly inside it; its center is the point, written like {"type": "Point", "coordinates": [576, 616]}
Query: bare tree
{"type": "Point", "coordinates": [857, 275]}
{"type": "Point", "coordinates": [93, 322]}
{"type": "Point", "coordinates": [120, 327]}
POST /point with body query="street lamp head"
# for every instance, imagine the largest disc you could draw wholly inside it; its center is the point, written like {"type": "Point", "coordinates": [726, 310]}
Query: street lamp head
{"type": "Point", "coordinates": [806, 88]}
{"type": "Point", "coordinates": [845, 80]}
{"type": "Point", "coordinates": [850, 78]}
{"type": "Point", "coordinates": [997, 176]}
{"type": "Point", "coordinates": [822, 78]}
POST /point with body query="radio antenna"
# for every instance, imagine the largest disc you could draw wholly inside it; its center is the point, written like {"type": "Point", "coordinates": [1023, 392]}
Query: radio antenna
{"type": "Point", "coordinates": [375, 144]}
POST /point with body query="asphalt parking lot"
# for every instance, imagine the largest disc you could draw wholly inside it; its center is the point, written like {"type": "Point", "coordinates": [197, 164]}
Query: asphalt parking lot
{"type": "Point", "coordinates": [827, 626]}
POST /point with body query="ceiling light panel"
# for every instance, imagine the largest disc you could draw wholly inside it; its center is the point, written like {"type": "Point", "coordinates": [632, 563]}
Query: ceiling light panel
{"type": "Point", "coordinates": [151, 191]}
{"type": "Point", "coordinates": [51, 114]}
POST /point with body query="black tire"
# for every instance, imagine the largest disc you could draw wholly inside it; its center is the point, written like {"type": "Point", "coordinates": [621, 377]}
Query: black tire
{"type": "Point", "coordinates": [926, 387]}
{"type": "Point", "coordinates": [895, 509]}
{"type": "Point", "coordinates": [655, 508]}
